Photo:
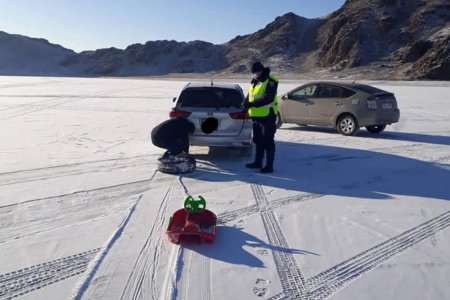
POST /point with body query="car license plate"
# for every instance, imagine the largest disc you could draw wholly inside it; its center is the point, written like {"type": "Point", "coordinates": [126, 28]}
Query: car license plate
{"type": "Point", "coordinates": [386, 105]}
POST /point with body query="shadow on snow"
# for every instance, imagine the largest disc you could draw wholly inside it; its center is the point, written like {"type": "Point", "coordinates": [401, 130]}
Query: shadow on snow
{"type": "Point", "coordinates": [385, 135]}
{"type": "Point", "coordinates": [235, 246]}
{"type": "Point", "coordinates": [331, 170]}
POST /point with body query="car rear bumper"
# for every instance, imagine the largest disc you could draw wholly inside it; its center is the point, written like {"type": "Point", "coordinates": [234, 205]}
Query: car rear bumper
{"type": "Point", "coordinates": [242, 140]}
{"type": "Point", "coordinates": [379, 118]}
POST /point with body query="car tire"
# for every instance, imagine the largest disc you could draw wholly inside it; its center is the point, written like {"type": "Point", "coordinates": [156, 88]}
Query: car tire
{"type": "Point", "coordinates": [376, 128]}
{"type": "Point", "coordinates": [178, 165]}
{"type": "Point", "coordinates": [279, 120]}
{"type": "Point", "coordinates": [347, 125]}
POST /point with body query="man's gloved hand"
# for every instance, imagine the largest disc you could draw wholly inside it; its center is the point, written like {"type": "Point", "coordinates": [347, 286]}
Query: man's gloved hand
{"type": "Point", "coordinates": [246, 105]}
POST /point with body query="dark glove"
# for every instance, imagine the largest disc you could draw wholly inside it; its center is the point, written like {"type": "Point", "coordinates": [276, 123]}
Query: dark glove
{"type": "Point", "coordinates": [246, 105]}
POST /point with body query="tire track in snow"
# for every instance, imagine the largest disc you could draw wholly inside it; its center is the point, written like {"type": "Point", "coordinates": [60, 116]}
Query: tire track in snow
{"type": "Point", "coordinates": [251, 210]}
{"type": "Point", "coordinates": [23, 105]}
{"type": "Point", "coordinates": [332, 280]}
{"type": "Point", "coordinates": [25, 110]}
{"type": "Point", "coordinates": [237, 214]}
{"type": "Point", "coordinates": [65, 210]}
{"type": "Point", "coordinates": [290, 274]}
{"type": "Point", "coordinates": [74, 96]}
{"type": "Point", "coordinates": [26, 280]}
{"type": "Point", "coordinates": [194, 277]}
{"type": "Point", "coordinates": [205, 286]}
{"type": "Point", "coordinates": [22, 85]}
{"type": "Point", "coordinates": [182, 287]}
{"type": "Point", "coordinates": [329, 282]}
{"type": "Point", "coordinates": [254, 209]}
{"type": "Point", "coordinates": [92, 109]}
{"type": "Point", "coordinates": [39, 174]}
{"type": "Point", "coordinates": [174, 269]}
{"type": "Point", "coordinates": [84, 284]}
{"type": "Point", "coordinates": [280, 296]}
{"type": "Point", "coordinates": [146, 268]}
{"type": "Point", "coordinates": [191, 267]}
{"type": "Point", "coordinates": [294, 199]}
{"type": "Point", "coordinates": [101, 193]}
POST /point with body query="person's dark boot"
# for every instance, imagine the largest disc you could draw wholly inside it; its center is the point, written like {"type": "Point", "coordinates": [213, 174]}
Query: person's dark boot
{"type": "Point", "coordinates": [269, 163]}
{"type": "Point", "coordinates": [254, 165]}
{"type": "Point", "coordinates": [267, 169]}
{"type": "Point", "coordinates": [257, 164]}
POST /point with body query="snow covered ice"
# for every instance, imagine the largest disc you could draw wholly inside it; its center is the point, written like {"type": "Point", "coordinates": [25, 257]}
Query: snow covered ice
{"type": "Point", "coordinates": [83, 210]}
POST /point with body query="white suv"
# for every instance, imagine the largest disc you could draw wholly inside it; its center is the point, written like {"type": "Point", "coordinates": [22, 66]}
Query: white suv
{"type": "Point", "coordinates": [216, 111]}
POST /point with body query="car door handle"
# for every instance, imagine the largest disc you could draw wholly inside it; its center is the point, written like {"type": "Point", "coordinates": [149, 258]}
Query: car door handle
{"type": "Point", "coordinates": [337, 103]}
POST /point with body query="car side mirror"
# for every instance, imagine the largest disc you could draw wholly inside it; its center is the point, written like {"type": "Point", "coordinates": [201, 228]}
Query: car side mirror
{"type": "Point", "coordinates": [174, 99]}
{"type": "Point", "coordinates": [285, 97]}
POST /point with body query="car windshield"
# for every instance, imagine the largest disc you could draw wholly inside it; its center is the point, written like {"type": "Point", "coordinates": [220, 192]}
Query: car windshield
{"type": "Point", "coordinates": [210, 97]}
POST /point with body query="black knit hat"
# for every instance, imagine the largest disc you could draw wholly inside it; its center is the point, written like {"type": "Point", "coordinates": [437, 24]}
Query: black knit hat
{"type": "Point", "coordinates": [257, 67]}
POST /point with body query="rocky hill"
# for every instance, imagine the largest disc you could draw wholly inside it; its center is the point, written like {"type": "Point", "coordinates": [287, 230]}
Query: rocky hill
{"type": "Point", "coordinates": [378, 39]}
{"type": "Point", "coordinates": [411, 36]}
{"type": "Point", "coordinates": [21, 55]}
{"type": "Point", "coordinates": [280, 45]}
{"type": "Point", "coordinates": [152, 58]}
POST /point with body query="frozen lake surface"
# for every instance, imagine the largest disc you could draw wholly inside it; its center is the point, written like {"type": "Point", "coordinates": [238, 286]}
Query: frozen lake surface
{"type": "Point", "coordinates": [83, 209]}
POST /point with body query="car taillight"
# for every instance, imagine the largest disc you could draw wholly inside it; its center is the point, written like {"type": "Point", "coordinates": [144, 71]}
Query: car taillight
{"type": "Point", "coordinates": [175, 113]}
{"type": "Point", "coordinates": [372, 103]}
{"type": "Point", "coordinates": [242, 115]}
{"type": "Point", "coordinates": [394, 101]}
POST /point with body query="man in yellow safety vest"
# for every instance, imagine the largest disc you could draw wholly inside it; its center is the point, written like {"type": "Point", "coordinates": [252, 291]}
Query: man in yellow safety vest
{"type": "Point", "coordinates": [262, 106]}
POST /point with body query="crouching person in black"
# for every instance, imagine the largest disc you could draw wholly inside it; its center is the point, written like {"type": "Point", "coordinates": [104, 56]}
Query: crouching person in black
{"type": "Point", "coordinates": [173, 135]}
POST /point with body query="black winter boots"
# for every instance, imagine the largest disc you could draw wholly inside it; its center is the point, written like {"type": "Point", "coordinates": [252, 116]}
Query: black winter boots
{"type": "Point", "coordinates": [270, 156]}
{"type": "Point", "coordinates": [267, 169]}
{"type": "Point", "coordinates": [254, 165]}
{"type": "Point", "coordinates": [259, 155]}
{"type": "Point", "coordinates": [257, 164]}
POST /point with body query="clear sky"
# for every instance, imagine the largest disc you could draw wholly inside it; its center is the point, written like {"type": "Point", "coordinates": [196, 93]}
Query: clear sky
{"type": "Point", "coordinates": [91, 24]}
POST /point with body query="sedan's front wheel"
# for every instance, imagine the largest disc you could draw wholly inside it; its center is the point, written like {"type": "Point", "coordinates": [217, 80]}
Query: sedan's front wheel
{"type": "Point", "coordinates": [347, 125]}
{"type": "Point", "coordinates": [376, 128]}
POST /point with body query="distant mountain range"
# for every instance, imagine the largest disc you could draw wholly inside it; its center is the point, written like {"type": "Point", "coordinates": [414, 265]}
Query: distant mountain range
{"type": "Point", "coordinates": [374, 39]}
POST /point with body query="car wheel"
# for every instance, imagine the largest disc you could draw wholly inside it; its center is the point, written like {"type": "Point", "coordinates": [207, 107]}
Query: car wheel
{"type": "Point", "coordinates": [279, 120]}
{"type": "Point", "coordinates": [376, 128]}
{"type": "Point", "coordinates": [347, 125]}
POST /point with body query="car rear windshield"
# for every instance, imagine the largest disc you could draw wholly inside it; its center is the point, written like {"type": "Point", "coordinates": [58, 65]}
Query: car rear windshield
{"type": "Point", "coordinates": [210, 97]}
{"type": "Point", "coordinates": [370, 89]}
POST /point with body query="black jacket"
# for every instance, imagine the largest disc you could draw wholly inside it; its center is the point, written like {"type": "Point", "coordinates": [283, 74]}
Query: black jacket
{"type": "Point", "coordinates": [172, 129]}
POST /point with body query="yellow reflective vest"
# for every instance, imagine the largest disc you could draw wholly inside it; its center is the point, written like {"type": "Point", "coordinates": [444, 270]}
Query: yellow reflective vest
{"type": "Point", "coordinates": [257, 92]}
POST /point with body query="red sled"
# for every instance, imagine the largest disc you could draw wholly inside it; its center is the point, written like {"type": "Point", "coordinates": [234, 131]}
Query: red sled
{"type": "Point", "coordinates": [193, 221]}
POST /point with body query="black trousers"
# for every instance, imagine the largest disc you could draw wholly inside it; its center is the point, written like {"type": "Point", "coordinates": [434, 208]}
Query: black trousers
{"type": "Point", "coordinates": [174, 145]}
{"type": "Point", "coordinates": [264, 129]}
